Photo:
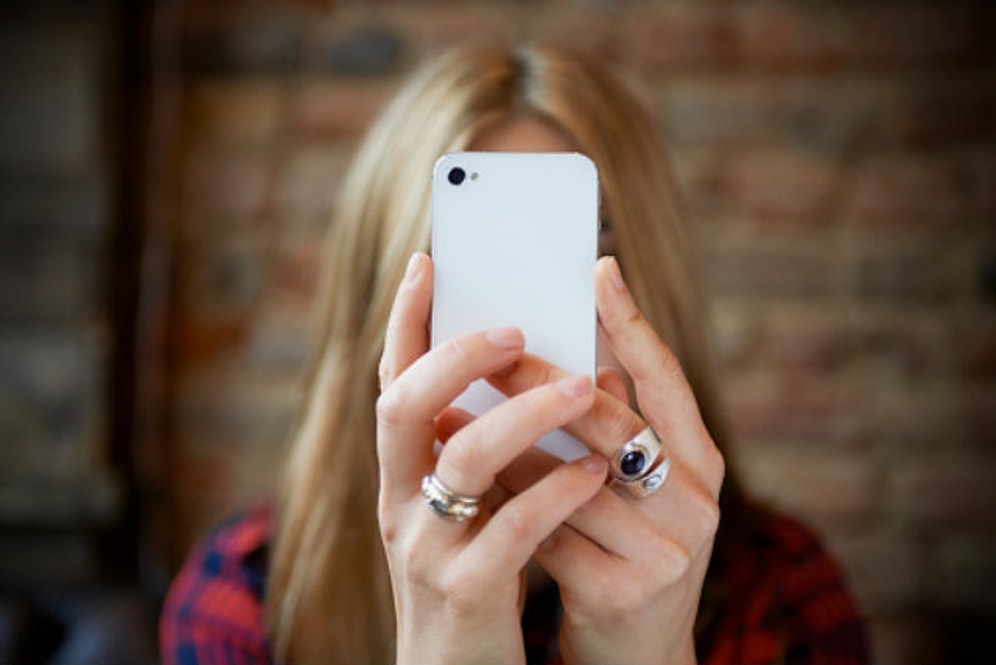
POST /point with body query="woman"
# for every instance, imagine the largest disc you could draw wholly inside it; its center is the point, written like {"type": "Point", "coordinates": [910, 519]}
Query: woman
{"type": "Point", "coordinates": [354, 563]}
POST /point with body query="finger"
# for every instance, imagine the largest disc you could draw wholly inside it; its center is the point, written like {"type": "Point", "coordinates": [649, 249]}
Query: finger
{"type": "Point", "coordinates": [578, 564]}
{"type": "Point", "coordinates": [683, 508]}
{"type": "Point", "coordinates": [610, 521]}
{"type": "Point", "coordinates": [686, 509]}
{"type": "Point", "coordinates": [495, 498]}
{"type": "Point", "coordinates": [473, 457]}
{"type": "Point", "coordinates": [612, 382]}
{"type": "Point", "coordinates": [407, 337]}
{"type": "Point", "coordinates": [407, 408]}
{"type": "Point", "coordinates": [682, 512]}
{"type": "Point", "coordinates": [526, 469]}
{"type": "Point", "coordinates": [604, 428]}
{"type": "Point", "coordinates": [512, 535]}
{"type": "Point", "coordinates": [585, 572]}
{"type": "Point", "coordinates": [608, 360]}
{"type": "Point", "coordinates": [450, 421]}
{"type": "Point", "coordinates": [606, 536]}
{"type": "Point", "coordinates": [662, 391]}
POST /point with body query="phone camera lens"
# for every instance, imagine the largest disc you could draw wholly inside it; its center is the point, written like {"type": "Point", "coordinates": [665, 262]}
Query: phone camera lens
{"type": "Point", "coordinates": [456, 175]}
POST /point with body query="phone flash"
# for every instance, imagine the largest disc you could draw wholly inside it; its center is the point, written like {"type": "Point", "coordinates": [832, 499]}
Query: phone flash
{"type": "Point", "coordinates": [473, 176]}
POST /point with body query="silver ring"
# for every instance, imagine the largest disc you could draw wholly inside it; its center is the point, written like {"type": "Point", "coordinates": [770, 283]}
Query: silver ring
{"type": "Point", "coordinates": [639, 465]}
{"type": "Point", "coordinates": [446, 503]}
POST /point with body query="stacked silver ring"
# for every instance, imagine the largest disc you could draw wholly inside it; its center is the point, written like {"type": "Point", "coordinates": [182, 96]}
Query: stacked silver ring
{"type": "Point", "coordinates": [639, 465]}
{"type": "Point", "coordinates": [446, 503]}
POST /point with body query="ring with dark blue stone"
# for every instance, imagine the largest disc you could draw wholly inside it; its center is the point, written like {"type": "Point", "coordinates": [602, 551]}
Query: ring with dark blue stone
{"type": "Point", "coordinates": [640, 465]}
{"type": "Point", "coordinates": [632, 463]}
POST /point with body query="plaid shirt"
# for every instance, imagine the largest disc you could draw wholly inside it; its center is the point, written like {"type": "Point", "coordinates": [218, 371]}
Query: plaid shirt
{"type": "Point", "coordinates": [784, 602]}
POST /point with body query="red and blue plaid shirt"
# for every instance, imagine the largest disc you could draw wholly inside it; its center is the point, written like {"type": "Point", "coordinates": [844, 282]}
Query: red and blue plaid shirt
{"type": "Point", "coordinates": [784, 601]}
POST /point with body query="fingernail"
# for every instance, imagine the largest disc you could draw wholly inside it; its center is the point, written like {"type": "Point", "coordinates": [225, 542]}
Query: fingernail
{"type": "Point", "coordinates": [505, 338]}
{"type": "Point", "coordinates": [593, 464]}
{"type": "Point", "coordinates": [575, 386]}
{"type": "Point", "coordinates": [615, 275]}
{"type": "Point", "coordinates": [413, 269]}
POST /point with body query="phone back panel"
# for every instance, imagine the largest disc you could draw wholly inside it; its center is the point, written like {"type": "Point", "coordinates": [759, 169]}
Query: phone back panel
{"type": "Point", "coordinates": [515, 244]}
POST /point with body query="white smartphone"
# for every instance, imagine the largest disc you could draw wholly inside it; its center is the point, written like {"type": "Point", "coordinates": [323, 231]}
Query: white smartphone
{"type": "Point", "coordinates": [514, 243]}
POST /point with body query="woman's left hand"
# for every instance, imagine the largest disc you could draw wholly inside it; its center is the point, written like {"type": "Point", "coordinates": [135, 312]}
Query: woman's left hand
{"type": "Point", "coordinates": [630, 570]}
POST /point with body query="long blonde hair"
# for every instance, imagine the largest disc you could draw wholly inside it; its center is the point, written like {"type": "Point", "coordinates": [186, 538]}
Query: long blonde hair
{"type": "Point", "coordinates": [329, 596]}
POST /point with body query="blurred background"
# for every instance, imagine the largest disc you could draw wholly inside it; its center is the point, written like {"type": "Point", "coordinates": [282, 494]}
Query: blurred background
{"type": "Point", "coordinates": [167, 168]}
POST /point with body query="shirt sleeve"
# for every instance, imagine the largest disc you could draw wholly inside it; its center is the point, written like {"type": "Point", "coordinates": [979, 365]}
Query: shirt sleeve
{"type": "Point", "coordinates": [824, 624]}
{"type": "Point", "coordinates": [784, 600]}
{"type": "Point", "coordinates": [213, 615]}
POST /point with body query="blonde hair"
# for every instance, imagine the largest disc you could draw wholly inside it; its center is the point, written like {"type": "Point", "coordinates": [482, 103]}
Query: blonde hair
{"type": "Point", "coordinates": [329, 596]}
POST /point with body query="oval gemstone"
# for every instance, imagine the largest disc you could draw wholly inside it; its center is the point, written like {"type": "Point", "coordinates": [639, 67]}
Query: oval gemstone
{"type": "Point", "coordinates": [632, 462]}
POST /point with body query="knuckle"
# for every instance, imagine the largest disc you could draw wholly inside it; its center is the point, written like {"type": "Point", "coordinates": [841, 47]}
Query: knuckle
{"type": "Point", "coordinates": [419, 567]}
{"type": "Point", "coordinates": [460, 588]}
{"type": "Point", "coordinates": [624, 600]}
{"type": "Point", "coordinates": [462, 457]}
{"type": "Point", "coordinates": [632, 316]}
{"type": "Point", "coordinates": [607, 598]}
{"type": "Point", "coordinates": [384, 374]}
{"type": "Point", "coordinates": [388, 532]}
{"type": "Point", "coordinates": [709, 515]}
{"type": "Point", "coordinates": [617, 421]}
{"type": "Point", "coordinates": [458, 348]}
{"type": "Point", "coordinates": [419, 574]}
{"type": "Point", "coordinates": [674, 562]}
{"type": "Point", "coordinates": [391, 405]}
{"type": "Point", "coordinates": [535, 400]}
{"type": "Point", "coordinates": [517, 521]}
{"type": "Point", "coordinates": [617, 603]}
{"type": "Point", "coordinates": [718, 464]}
{"type": "Point", "coordinates": [549, 374]}
{"type": "Point", "coordinates": [462, 595]}
{"type": "Point", "coordinates": [714, 468]}
{"type": "Point", "coordinates": [668, 362]}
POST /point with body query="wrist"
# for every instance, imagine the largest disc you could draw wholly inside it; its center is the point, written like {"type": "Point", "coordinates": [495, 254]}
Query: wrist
{"type": "Point", "coordinates": [459, 641]}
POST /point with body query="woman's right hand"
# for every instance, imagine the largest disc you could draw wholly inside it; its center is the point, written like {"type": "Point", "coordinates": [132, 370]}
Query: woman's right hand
{"type": "Point", "coordinates": [457, 584]}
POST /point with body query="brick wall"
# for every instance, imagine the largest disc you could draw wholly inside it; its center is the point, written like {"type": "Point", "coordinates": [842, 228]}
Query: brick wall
{"type": "Point", "coordinates": [58, 483]}
{"type": "Point", "coordinates": [838, 163]}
